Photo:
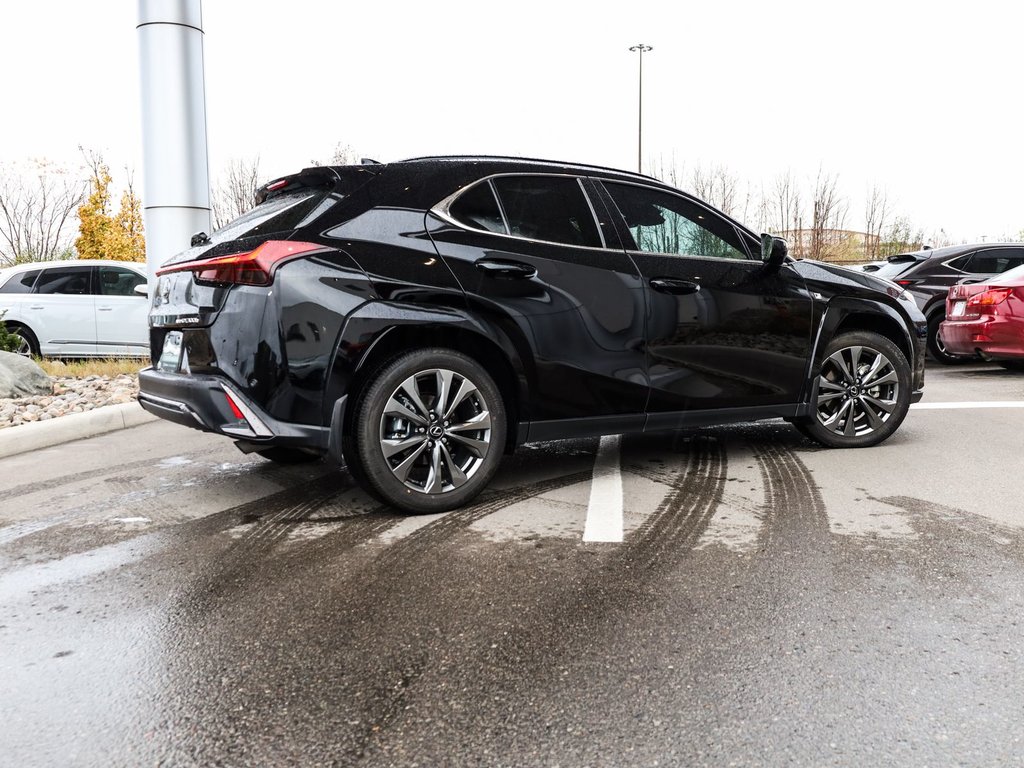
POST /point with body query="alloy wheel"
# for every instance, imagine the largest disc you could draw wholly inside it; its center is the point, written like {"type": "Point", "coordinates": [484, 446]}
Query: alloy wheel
{"type": "Point", "coordinates": [435, 431]}
{"type": "Point", "coordinates": [858, 391]}
{"type": "Point", "coordinates": [24, 348]}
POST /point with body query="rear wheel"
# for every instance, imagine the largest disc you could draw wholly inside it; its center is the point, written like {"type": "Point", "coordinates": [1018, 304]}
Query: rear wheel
{"type": "Point", "coordinates": [935, 346]}
{"type": "Point", "coordinates": [862, 392]}
{"type": "Point", "coordinates": [28, 345]}
{"type": "Point", "coordinates": [430, 431]}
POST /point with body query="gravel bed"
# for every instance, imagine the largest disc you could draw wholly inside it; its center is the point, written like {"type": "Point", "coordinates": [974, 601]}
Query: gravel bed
{"type": "Point", "coordinates": [70, 395]}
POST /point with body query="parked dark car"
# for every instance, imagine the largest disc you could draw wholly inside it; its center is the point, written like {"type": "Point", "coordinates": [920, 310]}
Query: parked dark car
{"type": "Point", "coordinates": [419, 319]}
{"type": "Point", "coordinates": [987, 319]}
{"type": "Point", "coordinates": [927, 275]}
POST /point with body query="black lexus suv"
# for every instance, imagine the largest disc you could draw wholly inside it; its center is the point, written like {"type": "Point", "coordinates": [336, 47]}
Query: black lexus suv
{"type": "Point", "coordinates": [419, 319]}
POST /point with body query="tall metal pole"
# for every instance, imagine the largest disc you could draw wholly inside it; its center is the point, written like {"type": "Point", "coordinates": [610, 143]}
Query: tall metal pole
{"type": "Point", "coordinates": [176, 175]}
{"type": "Point", "coordinates": [641, 49]}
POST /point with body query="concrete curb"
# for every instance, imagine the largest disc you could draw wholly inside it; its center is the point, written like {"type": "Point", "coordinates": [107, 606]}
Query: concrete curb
{"type": "Point", "coordinates": [75, 426]}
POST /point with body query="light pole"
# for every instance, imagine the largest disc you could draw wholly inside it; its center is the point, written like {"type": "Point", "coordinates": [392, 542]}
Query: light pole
{"type": "Point", "coordinates": [641, 49]}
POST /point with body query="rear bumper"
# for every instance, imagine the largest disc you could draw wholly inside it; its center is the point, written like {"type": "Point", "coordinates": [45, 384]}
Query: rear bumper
{"type": "Point", "coordinates": [991, 337]}
{"type": "Point", "coordinates": [204, 403]}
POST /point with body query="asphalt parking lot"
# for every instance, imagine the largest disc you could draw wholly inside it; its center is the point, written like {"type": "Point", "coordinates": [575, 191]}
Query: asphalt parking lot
{"type": "Point", "coordinates": [166, 600]}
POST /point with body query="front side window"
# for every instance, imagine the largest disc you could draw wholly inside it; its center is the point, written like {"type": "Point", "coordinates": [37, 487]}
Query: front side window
{"type": "Point", "coordinates": [551, 208]}
{"type": "Point", "coordinates": [64, 280]}
{"type": "Point", "coordinates": [20, 283]}
{"type": "Point", "coordinates": [117, 281]}
{"type": "Point", "coordinates": [664, 223]}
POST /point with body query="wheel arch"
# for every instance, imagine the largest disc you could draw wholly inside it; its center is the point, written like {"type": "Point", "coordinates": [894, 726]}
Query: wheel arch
{"type": "Point", "coordinates": [843, 315]}
{"type": "Point", "coordinates": [20, 325]}
{"type": "Point", "coordinates": [377, 333]}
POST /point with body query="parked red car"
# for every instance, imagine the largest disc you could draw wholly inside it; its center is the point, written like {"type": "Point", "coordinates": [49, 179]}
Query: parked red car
{"type": "Point", "coordinates": [987, 319]}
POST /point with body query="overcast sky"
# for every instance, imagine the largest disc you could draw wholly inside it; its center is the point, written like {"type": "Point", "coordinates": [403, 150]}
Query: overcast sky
{"type": "Point", "coordinates": [922, 98]}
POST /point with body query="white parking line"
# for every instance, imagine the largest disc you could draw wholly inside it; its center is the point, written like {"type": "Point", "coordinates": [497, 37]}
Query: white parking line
{"type": "Point", "coordinates": [604, 512]}
{"type": "Point", "coordinates": [977, 404]}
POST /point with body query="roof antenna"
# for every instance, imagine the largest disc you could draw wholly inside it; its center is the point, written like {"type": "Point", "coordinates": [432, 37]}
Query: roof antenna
{"type": "Point", "coordinates": [369, 161]}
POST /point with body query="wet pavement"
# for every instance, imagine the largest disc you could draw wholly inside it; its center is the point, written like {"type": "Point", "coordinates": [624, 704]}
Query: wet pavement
{"type": "Point", "coordinates": [165, 600]}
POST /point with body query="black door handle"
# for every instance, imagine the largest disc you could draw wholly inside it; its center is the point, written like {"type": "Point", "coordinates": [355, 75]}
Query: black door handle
{"type": "Point", "coordinates": [503, 269]}
{"type": "Point", "coordinates": [671, 285]}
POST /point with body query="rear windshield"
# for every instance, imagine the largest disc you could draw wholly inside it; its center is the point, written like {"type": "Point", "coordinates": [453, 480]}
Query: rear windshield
{"type": "Point", "coordinates": [891, 269]}
{"type": "Point", "coordinates": [277, 214]}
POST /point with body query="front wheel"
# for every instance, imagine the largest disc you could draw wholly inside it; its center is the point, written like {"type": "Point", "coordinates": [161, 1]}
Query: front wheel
{"type": "Point", "coordinates": [862, 392]}
{"type": "Point", "coordinates": [430, 431]}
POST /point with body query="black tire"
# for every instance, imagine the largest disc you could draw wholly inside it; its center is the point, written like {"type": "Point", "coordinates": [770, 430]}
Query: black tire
{"type": "Point", "coordinates": [283, 455]}
{"type": "Point", "coordinates": [1012, 365]}
{"type": "Point", "coordinates": [30, 345]}
{"type": "Point", "coordinates": [935, 347]}
{"type": "Point", "coordinates": [859, 412]}
{"type": "Point", "coordinates": [439, 456]}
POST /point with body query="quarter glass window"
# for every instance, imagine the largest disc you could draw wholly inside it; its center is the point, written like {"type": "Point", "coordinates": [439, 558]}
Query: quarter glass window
{"type": "Point", "coordinates": [477, 208]}
{"type": "Point", "coordinates": [20, 283]}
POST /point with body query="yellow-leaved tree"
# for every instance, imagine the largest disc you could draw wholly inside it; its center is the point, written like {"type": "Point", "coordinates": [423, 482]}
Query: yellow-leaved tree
{"type": "Point", "coordinates": [103, 235]}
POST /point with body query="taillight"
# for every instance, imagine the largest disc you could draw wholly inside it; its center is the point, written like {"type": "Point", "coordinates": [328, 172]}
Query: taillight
{"type": "Point", "coordinates": [989, 298]}
{"type": "Point", "coordinates": [905, 283]}
{"type": "Point", "coordinates": [255, 267]}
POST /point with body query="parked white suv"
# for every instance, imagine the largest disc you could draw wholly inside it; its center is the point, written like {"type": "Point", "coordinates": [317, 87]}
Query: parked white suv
{"type": "Point", "coordinates": [83, 308]}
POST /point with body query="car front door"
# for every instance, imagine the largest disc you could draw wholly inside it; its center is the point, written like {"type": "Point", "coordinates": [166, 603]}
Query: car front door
{"type": "Point", "coordinates": [723, 330]}
{"type": "Point", "coordinates": [530, 251]}
{"type": "Point", "coordinates": [122, 325]}
{"type": "Point", "coordinates": [62, 311]}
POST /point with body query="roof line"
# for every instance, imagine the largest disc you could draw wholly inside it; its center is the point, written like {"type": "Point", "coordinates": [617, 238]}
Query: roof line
{"type": "Point", "coordinates": [545, 161]}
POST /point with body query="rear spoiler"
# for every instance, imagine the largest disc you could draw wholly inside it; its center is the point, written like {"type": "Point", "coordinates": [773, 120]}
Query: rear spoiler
{"type": "Point", "coordinates": [344, 179]}
{"type": "Point", "coordinates": [905, 258]}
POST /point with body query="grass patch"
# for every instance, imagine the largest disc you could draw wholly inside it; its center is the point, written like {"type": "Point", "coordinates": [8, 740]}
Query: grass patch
{"type": "Point", "coordinates": [111, 366]}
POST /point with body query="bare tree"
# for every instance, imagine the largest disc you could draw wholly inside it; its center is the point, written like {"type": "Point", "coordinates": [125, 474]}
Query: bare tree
{"type": "Point", "coordinates": [876, 218]}
{"type": "Point", "coordinates": [828, 218]}
{"type": "Point", "coordinates": [37, 212]}
{"type": "Point", "coordinates": [235, 191]}
{"type": "Point", "coordinates": [783, 213]}
{"type": "Point", "coordinates": [718, 186]}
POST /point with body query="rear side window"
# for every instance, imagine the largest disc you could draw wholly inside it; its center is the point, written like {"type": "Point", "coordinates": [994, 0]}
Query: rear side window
{"type": "Point", "coordinates": [478, 209]}
{"type": "Point", "coordinates": [550, 208]}
{"type": "Point", "coordinates": [21, 283]}
{"type": "Point", "coordinates": [65, 281]}
{"type": "Point", "coordinates": [117, 281]}
{"type": "Point", "coordinates": [995, 261]}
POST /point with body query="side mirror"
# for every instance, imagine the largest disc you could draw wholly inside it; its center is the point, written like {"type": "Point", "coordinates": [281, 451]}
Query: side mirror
{"type": "Point", "coordinates": [773, 250]}
{"type": "Point", "coordinates": [142, 289]}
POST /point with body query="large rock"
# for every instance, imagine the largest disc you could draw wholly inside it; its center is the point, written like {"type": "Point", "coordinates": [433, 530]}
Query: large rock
{"type": "Point", "coordinates": [20, 377]}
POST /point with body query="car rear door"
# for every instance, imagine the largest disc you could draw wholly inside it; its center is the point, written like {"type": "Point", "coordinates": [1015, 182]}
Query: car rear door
{"type": "Point", "coordinates": [529, 251]}
{"type": "Point", "coordinates": [723, 330]}
{"type": "Point", "coordinates": [122, 325]}
{"type": "Point", "coordinates": [62, 311]}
